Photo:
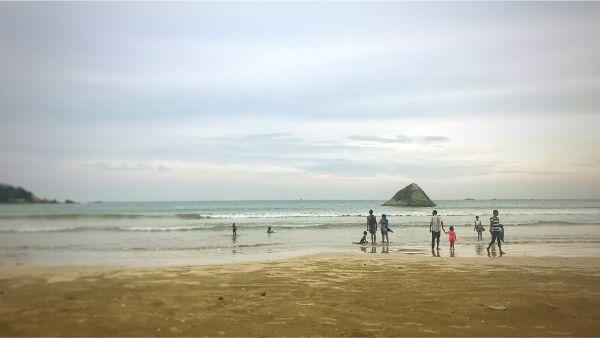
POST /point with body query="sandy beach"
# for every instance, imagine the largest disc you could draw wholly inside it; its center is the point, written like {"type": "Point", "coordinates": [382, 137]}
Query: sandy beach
{"type": "Point", "coordinates": [329, 295]}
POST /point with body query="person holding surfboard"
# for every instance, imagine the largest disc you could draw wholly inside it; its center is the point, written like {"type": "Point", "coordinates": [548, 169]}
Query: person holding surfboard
{"type": "Point", "coordinates": [372, 226]}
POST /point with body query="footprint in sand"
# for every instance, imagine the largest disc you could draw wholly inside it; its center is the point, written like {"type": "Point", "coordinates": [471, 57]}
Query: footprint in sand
{"type": "Point", "coordinates": [328, 321]}
{"type": "Point", "coordinates": [429, 331]}
{"type": "Point", "coordinates": [506, 327]}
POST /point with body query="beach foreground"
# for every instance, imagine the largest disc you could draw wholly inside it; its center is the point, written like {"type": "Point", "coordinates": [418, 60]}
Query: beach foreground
{"type": "Point", "coordinates": [332, 295]}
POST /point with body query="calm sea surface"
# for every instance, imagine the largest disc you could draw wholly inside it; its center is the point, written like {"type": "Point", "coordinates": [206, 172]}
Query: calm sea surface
{"type": "Point", "coordinates": [173, 233]}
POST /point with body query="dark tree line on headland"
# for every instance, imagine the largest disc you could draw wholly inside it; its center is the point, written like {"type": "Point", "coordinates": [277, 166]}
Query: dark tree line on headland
{"type": "Point", "coordinates": [16, 195]}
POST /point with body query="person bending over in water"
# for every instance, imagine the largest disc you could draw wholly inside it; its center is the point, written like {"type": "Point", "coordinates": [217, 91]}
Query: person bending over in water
{"type": "Point", "coordinates": [496, 232]}
{"type": "Point", "coordinates": [372, 226]}
{"type": "Point", "coordinates": [436, 225]}
{"type": "Point", "coordinates": [478, 227]}
{"type": "Point", "coordinates": [269, 230]}
{"type": "Point", "coordinates": [384, 229]}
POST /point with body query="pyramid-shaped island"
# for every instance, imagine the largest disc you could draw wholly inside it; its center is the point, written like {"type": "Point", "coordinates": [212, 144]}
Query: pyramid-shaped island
{"type": "Point", "coordinates": [410, 196]}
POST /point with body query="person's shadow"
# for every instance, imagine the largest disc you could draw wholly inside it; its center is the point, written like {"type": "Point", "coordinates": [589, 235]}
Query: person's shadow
{"type": "Point", "coordinates": [373, 249]}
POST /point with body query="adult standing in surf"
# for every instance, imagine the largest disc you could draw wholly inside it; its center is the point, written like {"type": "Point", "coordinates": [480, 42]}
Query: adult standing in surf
{"type": "Point", "coordinates": [496, 232]}
{"type": "Point", "coordinates": [372, 226]}
{"type": "Point", "coordinates": [436, 225]}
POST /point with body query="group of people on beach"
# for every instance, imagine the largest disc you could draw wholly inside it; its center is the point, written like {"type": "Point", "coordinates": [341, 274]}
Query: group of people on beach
{"type": "Point", "coordinates": [372, 228]}
{"type": "Point", "coordinates": [436, 226]}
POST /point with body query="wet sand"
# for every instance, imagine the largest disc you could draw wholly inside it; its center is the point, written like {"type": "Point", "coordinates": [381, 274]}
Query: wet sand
{"type": "Point", "coordinates": [324, 295]}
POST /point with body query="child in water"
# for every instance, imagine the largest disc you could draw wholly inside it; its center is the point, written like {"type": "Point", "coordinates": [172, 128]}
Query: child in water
{"type": "Point", "coordinates": [451, 237]}
{"type": "Point", "coordinates": [363, 240]}
{"type": "Point", "coordinates": [478, 227]}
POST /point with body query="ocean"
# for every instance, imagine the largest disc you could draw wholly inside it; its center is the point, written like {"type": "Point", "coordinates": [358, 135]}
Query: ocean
{"type": "Point", "coordinates": [183, 233]}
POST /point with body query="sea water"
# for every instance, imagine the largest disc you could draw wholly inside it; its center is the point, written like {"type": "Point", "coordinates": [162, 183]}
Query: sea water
{"type": "Point", "coordinates": [181, 233]}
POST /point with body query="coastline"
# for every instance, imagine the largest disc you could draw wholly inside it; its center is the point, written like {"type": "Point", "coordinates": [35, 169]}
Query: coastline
{"type": "Point", "coordinates": [340, 294]}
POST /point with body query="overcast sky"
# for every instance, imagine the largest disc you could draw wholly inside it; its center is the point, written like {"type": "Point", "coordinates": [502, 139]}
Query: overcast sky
{"type": "Point", "coordinates": [201, 101]}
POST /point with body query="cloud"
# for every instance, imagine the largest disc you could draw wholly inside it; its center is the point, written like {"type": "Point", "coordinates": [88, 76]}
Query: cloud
{"type": "Point", "coordinates": [401, 139]}
{"type": "Point", "coordinates": [535, 172]}
{"type": "Point", "coordinates": [389, 167]}
{"type": "Point", "coordinates": [360, 90]}
{"type": "Point", "coordinates": [129, 166]}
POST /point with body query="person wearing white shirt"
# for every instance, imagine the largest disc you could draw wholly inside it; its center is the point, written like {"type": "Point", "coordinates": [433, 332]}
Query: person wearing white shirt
{"type": "Point", "coordinates": [436, 225]}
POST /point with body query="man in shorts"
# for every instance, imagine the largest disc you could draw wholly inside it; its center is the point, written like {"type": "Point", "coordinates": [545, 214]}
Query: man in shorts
{"type": "Point", "coordinates": [436, 225]}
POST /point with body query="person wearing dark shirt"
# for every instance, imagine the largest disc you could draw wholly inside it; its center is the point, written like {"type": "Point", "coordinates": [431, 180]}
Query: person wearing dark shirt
{"type": "Point", "coordinates": [372, 226]}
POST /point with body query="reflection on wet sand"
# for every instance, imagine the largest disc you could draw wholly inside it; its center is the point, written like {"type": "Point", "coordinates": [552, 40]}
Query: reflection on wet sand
{"type": "Point", "coordinates": [479, 247]}
{"type": "Point", "coordinates": [493, 253]}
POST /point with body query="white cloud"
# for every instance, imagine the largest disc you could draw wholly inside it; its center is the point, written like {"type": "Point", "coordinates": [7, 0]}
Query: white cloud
{"type": "Point", "coordinates": [262, 98]}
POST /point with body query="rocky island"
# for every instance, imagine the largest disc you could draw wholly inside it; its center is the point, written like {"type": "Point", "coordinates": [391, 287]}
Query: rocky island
{"type": "Point", "coordinates": [410, 196]}
{"type": "Point", "coordinates": [17, 195]}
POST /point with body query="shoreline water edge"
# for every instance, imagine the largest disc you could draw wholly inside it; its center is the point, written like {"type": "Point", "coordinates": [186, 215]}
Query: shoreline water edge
{"type": "Point", "coordinates": [79, 272]}
{"type": "Point", "coordinates": [184, 233]}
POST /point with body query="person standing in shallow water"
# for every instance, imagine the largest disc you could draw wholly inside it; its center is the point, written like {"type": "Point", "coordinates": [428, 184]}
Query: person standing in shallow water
{"type": "Point", "coordinates": [436, 225]}
{"type": "Point", "coordinates": [234, 229]}
{"type": "Point", "coordinates": [384, 229]}
{"type": "Point", "coordinates": [496, 232]}
{"type": "Point", "coordinates": [372, 226]}
{"type": "Point", "coordinates": [478, 227]}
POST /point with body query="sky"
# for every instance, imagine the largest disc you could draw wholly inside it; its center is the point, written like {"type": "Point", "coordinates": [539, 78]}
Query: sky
{"type": "Point", "coordinates": [144, 101]}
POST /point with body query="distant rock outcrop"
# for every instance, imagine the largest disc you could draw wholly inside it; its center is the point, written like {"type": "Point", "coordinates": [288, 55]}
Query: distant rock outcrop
{"type": "Point", "coordinates": [410, 196]}
{"type": "Point", "coordinates": [16, 195]}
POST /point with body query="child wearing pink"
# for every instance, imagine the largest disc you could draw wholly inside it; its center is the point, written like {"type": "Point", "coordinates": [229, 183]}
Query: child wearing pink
{"type": "Point", "coordinates": [451, 237]}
